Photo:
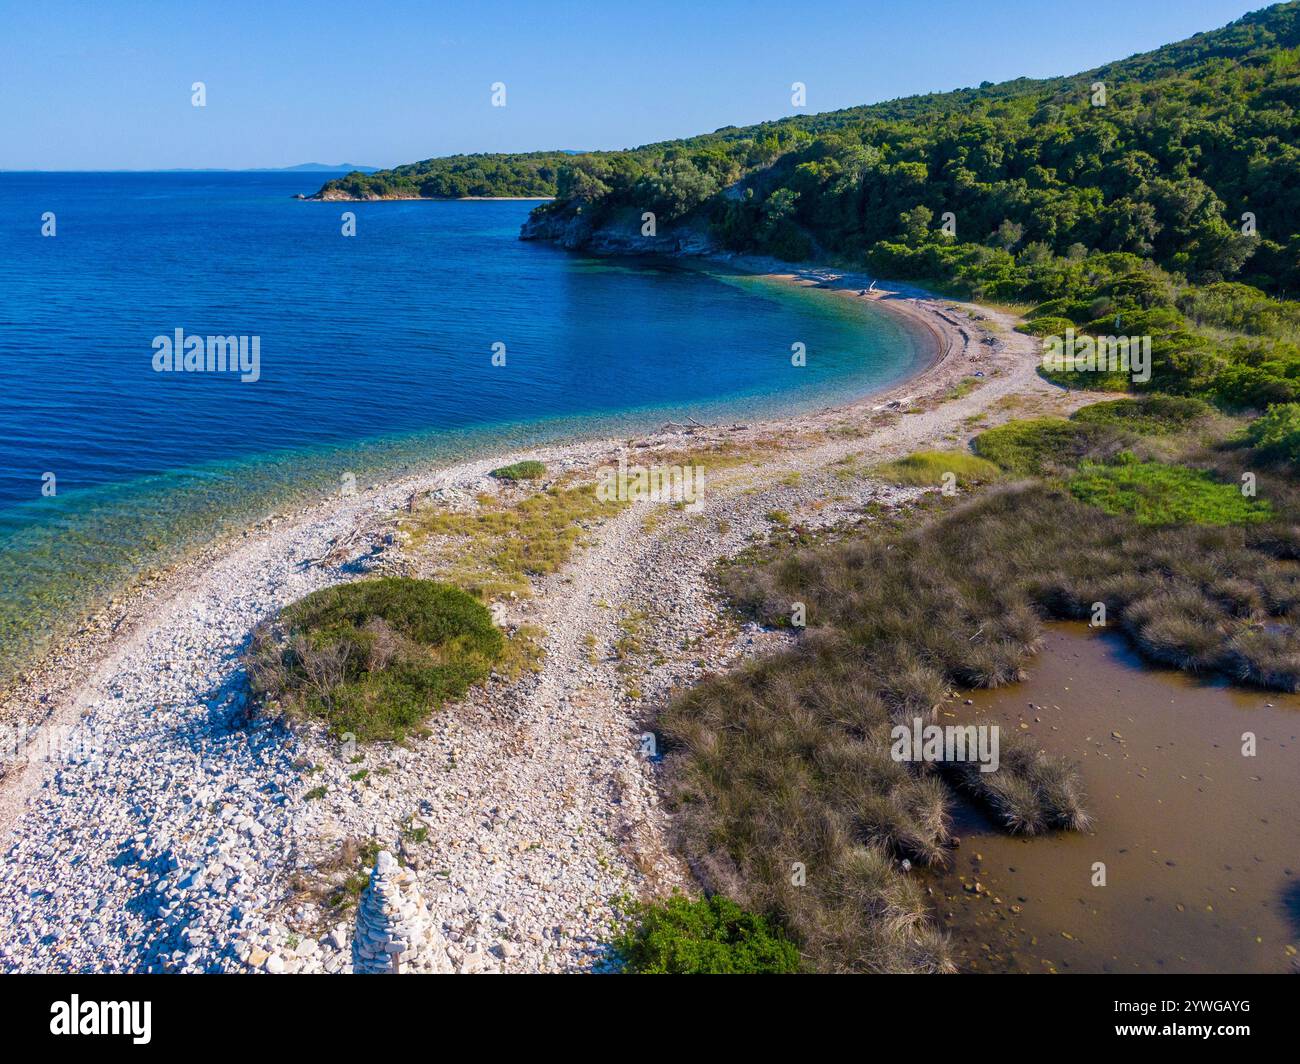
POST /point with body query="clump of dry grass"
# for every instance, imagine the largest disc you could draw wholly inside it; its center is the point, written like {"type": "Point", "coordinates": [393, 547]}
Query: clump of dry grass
{"type": "Point", "coordinates": [1031, 792]}
{"type": "Point", "coordinates": [790, 803]}
{"type": "Point", "coordinates": [1268, 657]}
{"type": "Point", "coordinates": [493, 550]}
{"type": "Point", "coordinates": [934, 468]}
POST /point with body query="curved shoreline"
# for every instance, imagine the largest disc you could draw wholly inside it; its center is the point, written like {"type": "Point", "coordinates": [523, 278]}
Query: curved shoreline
{"type": "Point", "coordinates": [548, 749]}
{"type": "Point", "coordinates": [108, 611]}
{"type": "Point", "coordinates": [41, 693]}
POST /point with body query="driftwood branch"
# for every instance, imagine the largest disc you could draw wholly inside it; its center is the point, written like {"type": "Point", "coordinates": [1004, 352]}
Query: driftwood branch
{"type": "Point", "coordinates": [338, 547]}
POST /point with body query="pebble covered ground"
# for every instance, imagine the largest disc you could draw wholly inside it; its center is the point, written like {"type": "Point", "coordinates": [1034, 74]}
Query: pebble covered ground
{"type": "Point", "coordinates": [188, 834]}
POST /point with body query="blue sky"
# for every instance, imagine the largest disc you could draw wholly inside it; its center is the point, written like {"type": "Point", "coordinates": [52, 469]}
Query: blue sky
{"type": "Point", "coordinates": [87, 86]}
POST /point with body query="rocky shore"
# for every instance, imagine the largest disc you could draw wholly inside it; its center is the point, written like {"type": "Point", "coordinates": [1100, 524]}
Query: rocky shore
{"type": "Point", "coordinates": [156, 824]}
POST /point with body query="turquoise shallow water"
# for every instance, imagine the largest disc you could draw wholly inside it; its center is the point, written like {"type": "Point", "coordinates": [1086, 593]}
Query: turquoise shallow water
{"type": "Point", "coordinates": [374, 356]}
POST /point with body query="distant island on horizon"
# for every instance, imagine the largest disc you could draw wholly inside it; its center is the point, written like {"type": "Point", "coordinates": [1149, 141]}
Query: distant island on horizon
{"type": "Point", "coordinates": [346, 168]}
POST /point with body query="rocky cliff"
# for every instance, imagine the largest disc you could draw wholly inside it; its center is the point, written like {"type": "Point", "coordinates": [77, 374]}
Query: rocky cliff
{"type": "Point", "coordinates": [574, 227]}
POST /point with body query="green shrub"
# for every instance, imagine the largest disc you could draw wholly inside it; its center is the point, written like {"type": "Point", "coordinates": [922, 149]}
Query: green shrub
{"type": "Point", "coordinates": [1158, 494]}
{"type": "Point", "coordinates": [707, 936]}
{"type": "Point", "coordinates": [529, 470]}
{"type": "Point", "coordinates": [928, 469]}
{"type": "Point", "coordinates": [1084, 380]}
{"type": "Point", "coordinates": [1148, 415]}
{"type": "Point", "coordinates": [1277, 433]}
{"type": "Point", "coordinates": [1046, 326]}
{"type": "Point", "coordinates": [373, 657]}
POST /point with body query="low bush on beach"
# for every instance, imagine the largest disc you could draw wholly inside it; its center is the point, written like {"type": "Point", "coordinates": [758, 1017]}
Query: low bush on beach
{"type": "Point", "coordinates": [374, 657]}
{"type": "Point", "coordinates": [1147, 415]}
{"type": "Point", "coordinates": [527, 470]}
{"type": "Point", "coordinates": [930, 468]}
{"type": "Point", "coordinates": [705, 936]}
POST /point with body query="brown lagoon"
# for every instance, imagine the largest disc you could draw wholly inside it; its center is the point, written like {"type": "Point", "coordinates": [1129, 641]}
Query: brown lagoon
{"type": "Point", "coordinates": [1201, 844]}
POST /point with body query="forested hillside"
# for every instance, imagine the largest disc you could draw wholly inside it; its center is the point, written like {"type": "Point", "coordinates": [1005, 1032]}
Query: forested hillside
{"type": "Point", "coordinates": [1161, 191]}
{"type": "Point", "coordinates": [1183, 141]}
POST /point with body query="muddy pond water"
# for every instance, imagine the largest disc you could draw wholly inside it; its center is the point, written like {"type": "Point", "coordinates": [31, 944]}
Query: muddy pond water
{"type": "Point", "coordinates": [1201, 844]}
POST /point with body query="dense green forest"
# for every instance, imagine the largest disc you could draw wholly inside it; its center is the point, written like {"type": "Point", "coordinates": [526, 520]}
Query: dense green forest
{"type": "Point", "coordinates": [1159, 195]}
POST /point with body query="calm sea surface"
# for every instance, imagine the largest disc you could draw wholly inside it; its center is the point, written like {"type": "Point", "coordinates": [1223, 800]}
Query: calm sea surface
{"type": "Point", "coordinates": [375, 356]}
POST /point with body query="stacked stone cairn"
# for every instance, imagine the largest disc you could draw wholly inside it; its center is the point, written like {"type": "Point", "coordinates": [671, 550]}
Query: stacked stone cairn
{"type": "Point", "coordinates": [395, 932]}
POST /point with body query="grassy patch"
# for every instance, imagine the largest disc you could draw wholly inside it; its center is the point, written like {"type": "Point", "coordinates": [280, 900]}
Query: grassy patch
{"type": "Point", "coordinates": [629, 644]}
{"type": "Point", "coordinates": [1158, 494]}
{"type": "Point", "coordinates": [1045, 325]}
{"type": "Point", "coordinates": [495, 549]}
{"type": "Point", "coordinates": [1052, 446]}
{"type": "Point", "coordinates": [528, 470]}
{"type": "Point", "coordinates": [523, 652]}
{"type": "Point", "coordinates": [961, 389]}
{"type": "Point", "coordinates": [373, 657]}
{"type": "Point", "coordinates": [1046, 446]}
{"type": "Point", "coordinates": [931, 469]}
{"type": "Point", "coordinates": [708, 936]}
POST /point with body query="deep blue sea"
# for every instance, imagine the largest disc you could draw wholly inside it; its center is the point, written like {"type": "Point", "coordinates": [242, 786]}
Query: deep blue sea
{"type": "Point", "coordinates": [375, 356]}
